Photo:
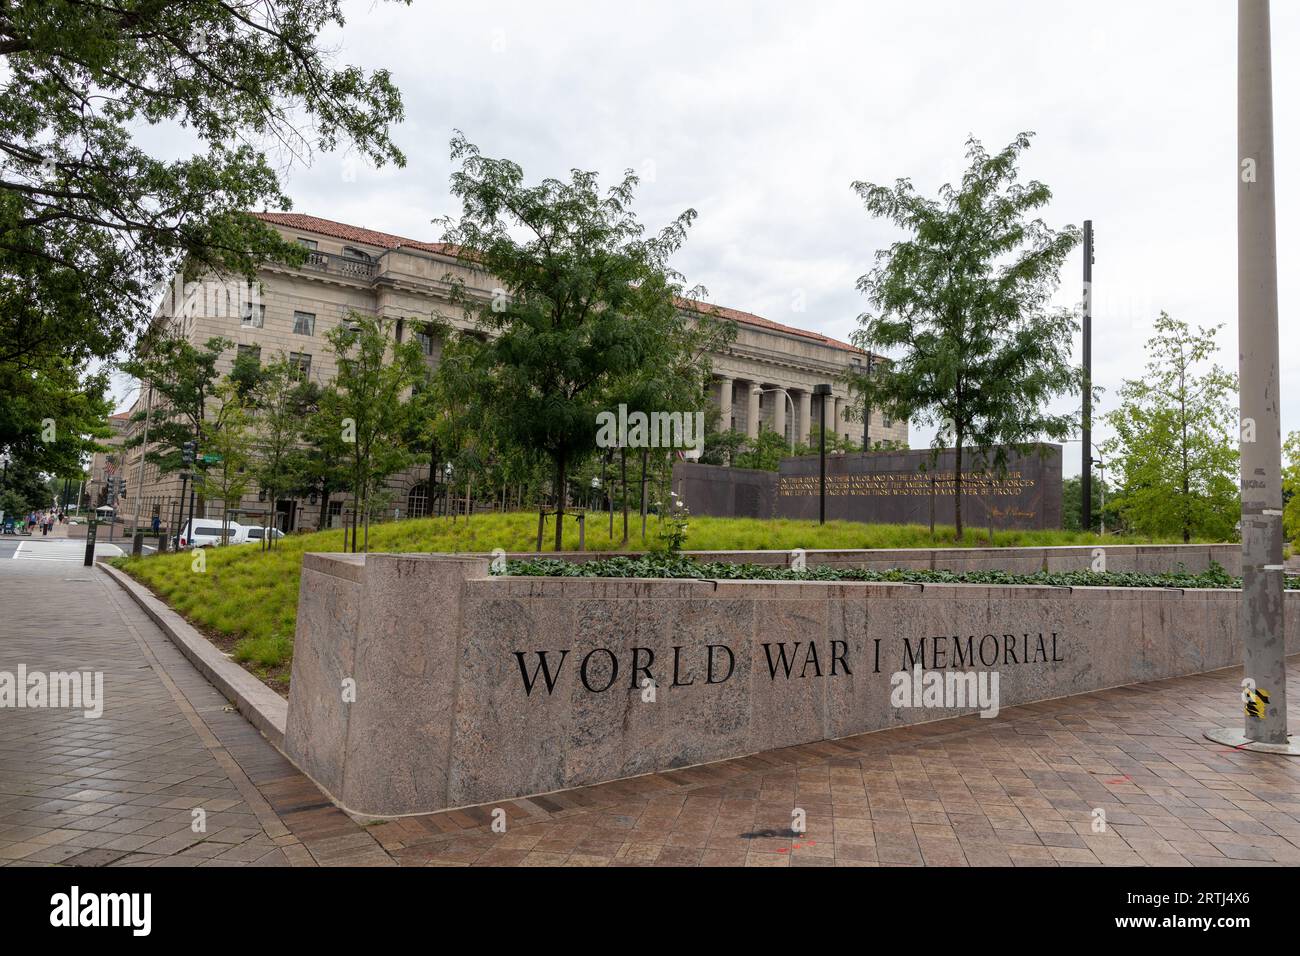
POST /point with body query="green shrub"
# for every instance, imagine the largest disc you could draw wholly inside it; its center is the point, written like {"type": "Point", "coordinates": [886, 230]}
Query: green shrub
{"type": "Point", "coordinates": [662, 565]}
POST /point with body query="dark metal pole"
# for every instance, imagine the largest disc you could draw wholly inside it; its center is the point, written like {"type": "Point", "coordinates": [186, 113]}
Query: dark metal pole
{"type": "Point", "coordinates": [1086, 480]}
{"type": "Point", "coordinates": [823, 392]}
{"type": "Point", "coordinates": [180, 520]}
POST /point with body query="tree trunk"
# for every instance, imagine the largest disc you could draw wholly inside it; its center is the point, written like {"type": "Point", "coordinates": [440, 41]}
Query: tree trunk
{"type": "Point", "coordinates": [355, 508]}
{"type": "Point", "coordinates": [560, 476]}
{"type": "Point", "coordinates": [645, 458]}
{"type": "Point", "coordinates": [622, 452]}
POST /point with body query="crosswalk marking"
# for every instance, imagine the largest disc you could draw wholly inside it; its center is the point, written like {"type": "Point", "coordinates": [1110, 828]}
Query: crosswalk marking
{"type": "Point", "coordinates": [62, 552]}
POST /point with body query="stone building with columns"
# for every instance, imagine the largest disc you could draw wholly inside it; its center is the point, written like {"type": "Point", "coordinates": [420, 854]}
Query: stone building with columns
{"type": "Point", "coordinates": [764, 379]}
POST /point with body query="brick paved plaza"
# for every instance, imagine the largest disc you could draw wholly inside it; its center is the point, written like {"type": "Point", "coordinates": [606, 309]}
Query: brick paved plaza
{"type": "Point", "coordinates": [1019, 790]}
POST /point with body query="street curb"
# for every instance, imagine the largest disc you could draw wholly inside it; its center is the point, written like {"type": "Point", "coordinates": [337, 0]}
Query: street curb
{"type": "Point", "coordinates": [262, 707]}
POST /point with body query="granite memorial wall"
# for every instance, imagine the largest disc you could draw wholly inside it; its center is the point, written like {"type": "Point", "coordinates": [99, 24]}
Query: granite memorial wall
{"type": "Point", "coordinates": [891, 487]}
{"type": "Point", "coordinates": [422, 682]}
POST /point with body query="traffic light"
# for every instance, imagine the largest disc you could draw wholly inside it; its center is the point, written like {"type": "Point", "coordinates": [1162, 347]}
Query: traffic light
{"type": "Point", "coordinates": [188, 451]}
{"type": "Point", "coordinates": [121, 487]}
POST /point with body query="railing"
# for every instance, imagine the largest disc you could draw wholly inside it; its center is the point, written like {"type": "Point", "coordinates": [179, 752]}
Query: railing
{"type": "Point", "coordinates": [340, 265]}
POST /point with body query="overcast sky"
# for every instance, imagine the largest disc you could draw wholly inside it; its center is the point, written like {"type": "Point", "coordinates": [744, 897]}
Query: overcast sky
{"type": "Point", "coordinates": [760, 115]}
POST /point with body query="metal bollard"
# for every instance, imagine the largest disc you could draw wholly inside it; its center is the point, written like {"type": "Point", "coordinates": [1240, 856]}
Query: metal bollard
{"type": "Point", "coordinates": [137, 544]}
{"type": "Point", "coordinates": [90, 543]}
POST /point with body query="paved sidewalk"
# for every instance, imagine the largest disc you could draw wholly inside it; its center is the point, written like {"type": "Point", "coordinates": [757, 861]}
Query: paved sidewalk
{"type": "Point", "coordinates": [121, 790]}
{"type": "Point", "coordinates": [1029, 788]}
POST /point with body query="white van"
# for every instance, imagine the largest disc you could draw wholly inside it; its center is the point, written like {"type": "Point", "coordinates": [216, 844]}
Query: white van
{"type": "Point", "coordinates": [254, 532]}
{"type": "Point", "coordinates": [207, 533]}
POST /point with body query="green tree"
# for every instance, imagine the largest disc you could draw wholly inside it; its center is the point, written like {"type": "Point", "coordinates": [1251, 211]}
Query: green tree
{"type": "Point", "coordinates": [676, 381]}
{"type": "Point", "coordinates": [453, 413]}
{"type": "Point", "coordinates": [183, 379]}
{"type": "Point", "coordinates": [722, 447]}
{"type": "Point", "coordinates": [282, 400]}
{"type": "Point", "coordinates": [370, 404]}
{"type": "Point", "coordinates": [764, 452]}
{"type": "Point", "coordinates": [24, 488]}
{"type": "Point", "coordinates": [1175, 448]}
{"type": "Point", "coordinates": [51, 415]}
{"type": "Point", "coordinates": [321, 465]}
{"type": "Point", "coordinates": [1072, 503]}
{"type": "Point", "coordinates": [227, 438]}
{"type": "Point", "coordinates": [90, 220]}
{"type": "Point", "coordinates": [586, 301]}
{"type": "Point", "coordinates": [965, 299]}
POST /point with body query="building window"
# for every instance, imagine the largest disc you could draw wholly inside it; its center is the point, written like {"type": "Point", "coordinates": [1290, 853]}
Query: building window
{"type": "Point", "coordinates": [304, 323]}
{"type": "Point", "coordinates": [253, 319]}
{"type": "Point", "coordinates": [307, 243]}
{"type": "Point", "coordinates": [253, 352]}
{"type": "Point", "coordinates": [302, 362]}
{"type": "Point", "coordinates": [426, 342]}
{"type": "Point", "coordinates": [417, 501]}
{"type": "Point", "coordinates": [886, 421]}
{"type": "Point", "coordinates": [349, 252]}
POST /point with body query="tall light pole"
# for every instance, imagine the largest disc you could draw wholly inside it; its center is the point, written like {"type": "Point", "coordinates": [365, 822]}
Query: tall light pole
{"type": "Point", "coordinates": [823, 392]}
{"type": "Point", "coordinates": [1261, 621]}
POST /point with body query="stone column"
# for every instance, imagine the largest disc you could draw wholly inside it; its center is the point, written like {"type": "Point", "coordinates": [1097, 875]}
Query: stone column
{"type": "Point", "coordinates": [724, 403]}
{"type": "Point", "coordinates": [778, 412]}
{"type": "Point", "coordinates": [833, 416]}
{"type": "Point", "coordinates": [805, 417]}
{"type": "Point", "coordinates": [752, 422]}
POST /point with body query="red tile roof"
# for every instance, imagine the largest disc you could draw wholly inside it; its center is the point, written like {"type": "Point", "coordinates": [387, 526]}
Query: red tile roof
{"type": "Point", "coordinates": [341, 230]}
{"type": "Point", "coordinates": [757, 320]}
{"type": "Point", "coordinates": [385, 240]}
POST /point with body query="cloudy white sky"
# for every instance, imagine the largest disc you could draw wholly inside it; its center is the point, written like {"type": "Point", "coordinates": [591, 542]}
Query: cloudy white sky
{"type": "Point", "coordinates": [760, 115]}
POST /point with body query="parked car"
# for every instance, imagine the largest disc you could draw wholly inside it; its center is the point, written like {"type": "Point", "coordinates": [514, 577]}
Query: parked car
{"type": "Point", "coordinates": [257, 533]}
{"type": "Point", "coordinates": [207, 533]}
